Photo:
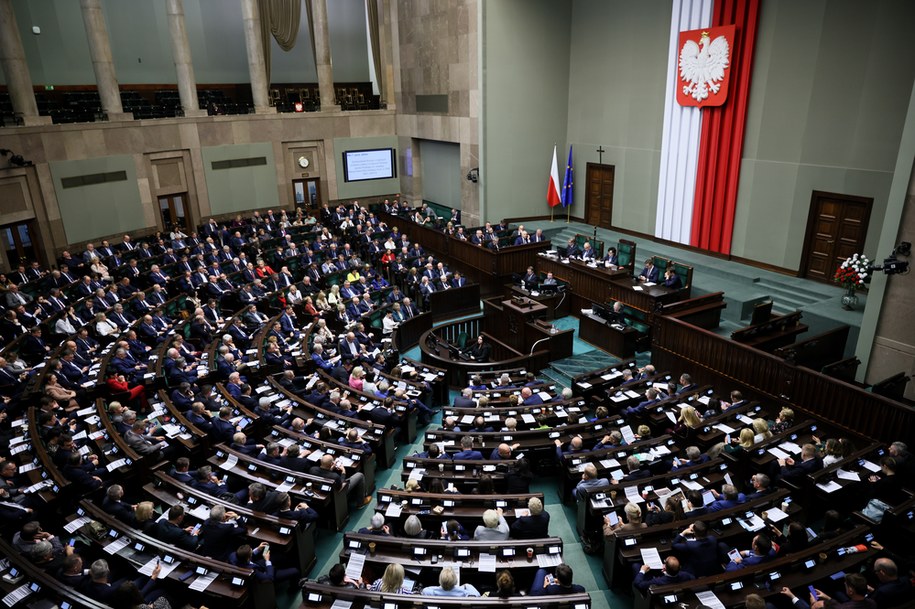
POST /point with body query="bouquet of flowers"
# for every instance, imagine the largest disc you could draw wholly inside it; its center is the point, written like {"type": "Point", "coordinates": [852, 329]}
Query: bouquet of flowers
{"type": "Point", "coordinates": [853, 272]}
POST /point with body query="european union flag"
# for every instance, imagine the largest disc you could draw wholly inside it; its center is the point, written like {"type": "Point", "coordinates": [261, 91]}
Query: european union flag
{"type": "Point", "coordinates": [567, 194]}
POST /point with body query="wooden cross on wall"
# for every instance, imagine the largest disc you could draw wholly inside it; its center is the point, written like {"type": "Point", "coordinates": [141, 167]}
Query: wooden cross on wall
{"type": "Point", "coordinates": [600, 155]}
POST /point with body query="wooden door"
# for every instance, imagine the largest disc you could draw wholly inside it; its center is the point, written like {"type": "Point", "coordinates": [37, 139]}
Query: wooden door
{"type": "Point", "coordinates": [19, 241]}
{"type": "Point", "coordinates": [173, 212]}
{"type": "Point", "coordinates": [599, 198]}
{"type": "Point", "coordinates": [836, 229]}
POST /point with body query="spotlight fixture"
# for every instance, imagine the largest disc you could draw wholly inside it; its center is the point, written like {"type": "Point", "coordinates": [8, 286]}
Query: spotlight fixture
{"type": "Point", "coordinates": [892, 265]}
{"type": "Point", "coordinates": [474, 175]}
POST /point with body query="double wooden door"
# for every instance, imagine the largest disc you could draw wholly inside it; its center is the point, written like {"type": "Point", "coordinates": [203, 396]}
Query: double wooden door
{"type": "Point", "coordinates": [836, 229]}
{"type": "Point", "coordinates": [599, 197]}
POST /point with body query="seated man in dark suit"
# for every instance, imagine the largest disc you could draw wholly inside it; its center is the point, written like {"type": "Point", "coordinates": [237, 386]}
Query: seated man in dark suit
{"type": "Point", "coordinates": [650, 272]}
{"type": "Point", "coordinates": [694, 456]}
{"type": "Point", "coordinates": [465, 399]}
{"type": "Point", "coordinates": [572, 249]}
{"type": "Point", "coordinates": [335, 472]}
{"type": "Point", "coordinates": [259, 561]}
{"type": "Point", "coordinates": [467, 453]}
{"type": "Point", "coordinates": [114, 505]}
{"type": "Point", "coordinates": [728, 498]}
{"type": "Point", "coordinates": [220, 533]}
{"type": "Point", "coordinates": [533, 526]}
{"type": "Point", "coordinates": [672, 280]}
{"type": "Point", "coordinates": [634, 469]}
{"type": "Point", "coordinates": [672, 574]}
{"type": "Point", "coordinates": [171, 532]}
{"type": "Point", "coordinates": [761, 551]}
{"type": "Point", "coordinates": [697, 550]}
{"type": "Point", "coordinates": [793, 472]}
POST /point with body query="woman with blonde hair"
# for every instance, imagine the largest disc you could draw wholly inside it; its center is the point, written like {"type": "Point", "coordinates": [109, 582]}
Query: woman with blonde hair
{"type": "Point", "coordinates": [355, 378]}
{"type": "Point", "coordinates": [105, 327]}
{"type": "Point", "coordinates": [744, 444]}
{"type": "Point", "coordinates": [633, 521]}
{"type": "Point", "coordinates": [392, 581]}
{"type": "Point", "coordinates": [99, 268]}
{"type": "Point", "coordinates": [784, 421]}
{"type": "Point", "coordinates": [761, 429]}
{"type": "Point", "coordinates": [334, 298]}
{"type": "Point", "coordinates": [321, 302]}
{"type": "Point", "coordinates": [323, 331]}
{"type": "Point", "coordinates": [145, 515]}
{"type": "Point", "coordinates": [293, 295]}
{"type": "Point", "coordinates": [688, 423]}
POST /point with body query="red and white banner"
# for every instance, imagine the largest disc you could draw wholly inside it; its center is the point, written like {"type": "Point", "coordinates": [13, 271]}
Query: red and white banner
{"type": "Point", "coordinates": [702, 142]}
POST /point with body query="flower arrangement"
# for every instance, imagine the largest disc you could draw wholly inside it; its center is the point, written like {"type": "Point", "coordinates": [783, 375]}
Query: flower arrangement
{"type": "Point", "coordinates": [853, 272]}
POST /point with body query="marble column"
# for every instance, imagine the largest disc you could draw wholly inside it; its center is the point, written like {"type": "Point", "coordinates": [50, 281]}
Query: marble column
{"type": "Point", "coordinates": [15, 68]}
{"type": "Point", "coordinates": [386, 43]}
{"type": "Point", "coordinates": [181, 53]}
{"type": "Point", "coordinates": [323, 60]}
{"type": "Point", "coordinates": [102, 62]}
{"type": "Point", "coordinates": [256, 70]}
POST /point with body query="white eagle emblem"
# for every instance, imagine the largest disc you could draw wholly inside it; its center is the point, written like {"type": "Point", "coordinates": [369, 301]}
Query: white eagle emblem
{"type": "Point", "coordinates": [703, 68]}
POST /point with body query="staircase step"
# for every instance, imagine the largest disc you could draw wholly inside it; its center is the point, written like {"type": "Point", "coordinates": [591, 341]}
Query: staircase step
{"type": "Point", "coordinates": [555, 377]}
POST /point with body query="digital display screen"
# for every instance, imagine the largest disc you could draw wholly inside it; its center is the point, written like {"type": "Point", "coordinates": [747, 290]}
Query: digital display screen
{"type": "Point", "coordinates": [372, 164]}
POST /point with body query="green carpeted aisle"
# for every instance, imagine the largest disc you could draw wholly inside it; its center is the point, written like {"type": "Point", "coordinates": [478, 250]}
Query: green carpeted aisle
{"type": "Point", "coordinates": [587, 569]}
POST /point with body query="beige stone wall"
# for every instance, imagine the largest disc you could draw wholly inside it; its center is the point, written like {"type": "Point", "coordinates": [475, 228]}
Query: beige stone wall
{"type": "Point", "coordinates": [167, 154]}
{"type": "Point", "coordinates": [436, 53]}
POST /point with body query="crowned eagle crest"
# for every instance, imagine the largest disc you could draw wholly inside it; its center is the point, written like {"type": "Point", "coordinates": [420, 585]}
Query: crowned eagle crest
{"type": "Point", "coordinates": [702, 65]}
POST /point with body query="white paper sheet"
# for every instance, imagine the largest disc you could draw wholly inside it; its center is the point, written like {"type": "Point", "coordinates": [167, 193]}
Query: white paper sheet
{"type": "Point", "coordinates": [841, 474]}
{"type": "Point", "coordinates": [354, 565]}
{"type": "Point", "coordinates": [652, 558]}
{"type": "Point", "coordinates": [487, 563]}
{"type": "Point", "coordinates": [203, 581]}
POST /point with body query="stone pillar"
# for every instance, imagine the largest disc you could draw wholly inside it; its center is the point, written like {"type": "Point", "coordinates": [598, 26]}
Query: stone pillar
{"type": "Point", "coordinates": [323, 60]}
{"type": "Point", "coordinates": [15, 68]}
{"type": "Point", "coordinates": [181, 52]}
{"type": "Point", "coordinates": [386, 42]}
{"type": "Point", "coordinates": [102, 63]}
{"type": "Point", "coordinates": [256, 70]}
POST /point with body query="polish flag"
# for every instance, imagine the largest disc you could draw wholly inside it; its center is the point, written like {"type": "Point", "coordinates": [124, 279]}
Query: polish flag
{"type": "Point", "coordinates": [552, 190]}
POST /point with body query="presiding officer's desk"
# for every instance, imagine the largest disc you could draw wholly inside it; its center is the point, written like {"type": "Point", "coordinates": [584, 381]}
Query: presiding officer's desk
{"type": "Point", "coordinates": [647, 298]}
{"type": "Point", "coordinates": [323, 596]}
{"type": "Point", "coordinates": [590, 284]}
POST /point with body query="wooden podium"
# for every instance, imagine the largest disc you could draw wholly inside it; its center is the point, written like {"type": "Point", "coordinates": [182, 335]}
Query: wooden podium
{"type": "Point", "coordinates": [516, 322]}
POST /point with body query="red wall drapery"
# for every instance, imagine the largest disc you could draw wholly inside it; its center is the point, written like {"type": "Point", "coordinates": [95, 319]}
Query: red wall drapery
{"type": "Point", "coordinates": [721, 140]}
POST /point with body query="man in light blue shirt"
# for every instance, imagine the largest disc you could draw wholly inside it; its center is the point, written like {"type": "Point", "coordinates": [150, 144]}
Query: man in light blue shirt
{"type": "Point", "coordinates": [447, 586]}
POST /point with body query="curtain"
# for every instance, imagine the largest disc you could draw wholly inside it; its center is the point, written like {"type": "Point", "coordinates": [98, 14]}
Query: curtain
{"type": "Point", "coordinates": [371, 11]}
{"type": "Point", "coordinates": [280, 19]}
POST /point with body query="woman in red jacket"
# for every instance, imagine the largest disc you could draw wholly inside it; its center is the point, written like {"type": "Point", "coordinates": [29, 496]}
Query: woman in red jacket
{"type": "Point", "coordinates": [118, 384]}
